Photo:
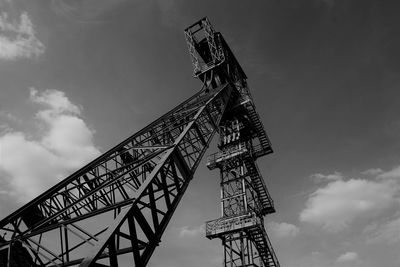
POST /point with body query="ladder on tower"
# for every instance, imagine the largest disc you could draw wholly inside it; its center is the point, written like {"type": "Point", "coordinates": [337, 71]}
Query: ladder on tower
{"type": "Point", "coordinates": [265, 144]}
{"type": "Point", "coordinates": [267, 204]}
{"type": "Point", "coordinates": [264, 247]}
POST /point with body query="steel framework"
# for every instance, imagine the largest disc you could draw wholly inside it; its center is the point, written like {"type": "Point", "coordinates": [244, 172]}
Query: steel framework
{"type": "Point", "coordinates": [121, 202]}
{"type": "Point", "coordinates": [244, 196]}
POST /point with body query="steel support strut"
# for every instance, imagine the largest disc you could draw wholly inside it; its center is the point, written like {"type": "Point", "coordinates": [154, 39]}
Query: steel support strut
{"type": "Point", "coordinates": [121, 202]}
{"type": "Point", "coordinates": [134, 188]}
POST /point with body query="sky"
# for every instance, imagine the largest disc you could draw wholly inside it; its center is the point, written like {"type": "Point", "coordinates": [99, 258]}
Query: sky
{"type": "Point", "coordinates": [78, 77]}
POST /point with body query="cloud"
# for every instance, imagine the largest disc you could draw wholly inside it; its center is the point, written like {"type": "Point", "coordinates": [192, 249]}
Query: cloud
{"type": "Point", "coordinates": [388, 232]}
{"type": "Point", "coordinates": [55, 100]}
{"type": "Point", "coordinates": [18, 38]}
{"type": "Point", "coordinates": [319, 177]}
{"type": "Point", "coordinates": [6, 119]}
{"type": "Point", "coordinates": [348, 256]}
{"type": "Point", "coordinates": [339, 203]}
{"type": "Point", "coordinates": [8, 116]}
{"type": "Point", "coordinates": [283, 230]}
{"type": "Point", "coordinates": [373, 171]}
{"type": "Point", "coordinates": [32, 165]}
{"type": "Point", "coordinates": [186, 231]}
{"type": "Point", "coordinates": [392, 174]}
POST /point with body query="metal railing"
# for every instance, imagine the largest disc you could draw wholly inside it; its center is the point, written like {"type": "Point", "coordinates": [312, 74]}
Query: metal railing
{"type": "Point", "coordinates": [271, 249]}
{"type": "Point", "coordinates": [263, 184]}
{"type": "Point", "coordinates": [224, 225]}
{"type": "Point", "coordinates": [220, 156]}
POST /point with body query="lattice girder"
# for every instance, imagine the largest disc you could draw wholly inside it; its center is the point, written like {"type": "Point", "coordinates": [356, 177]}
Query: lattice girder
{"type": "Point", "coordinates": [134, 188]}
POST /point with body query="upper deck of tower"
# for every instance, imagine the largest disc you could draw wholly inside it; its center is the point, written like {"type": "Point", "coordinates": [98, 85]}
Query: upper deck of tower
{"type": "Point", "coordinates": [214, 62]}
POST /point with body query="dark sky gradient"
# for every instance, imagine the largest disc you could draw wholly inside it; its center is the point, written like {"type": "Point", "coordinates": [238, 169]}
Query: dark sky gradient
{"type": "Point", "coordinates": [324, 75]}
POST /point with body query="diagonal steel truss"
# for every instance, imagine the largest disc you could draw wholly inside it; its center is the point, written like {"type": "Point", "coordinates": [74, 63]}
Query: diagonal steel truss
{"type": "Point", "coordinates": [122, 201]}
{"type": "Point", "coordinates": [120, 204]}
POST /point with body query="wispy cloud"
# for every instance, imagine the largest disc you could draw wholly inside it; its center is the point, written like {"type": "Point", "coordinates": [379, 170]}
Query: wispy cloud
{"type": "Point", "coordinates": [388, 232]}
{"type": "Point", "coordinates": [6, 120]}
{"type": "Point", "coordinates": [319, 177]}
{"type": "Point", "coordinates": [18, 38]}
{"type": "Point", "coordinates": [283, 230]}
{"type": "Point", "coordinates": [66, 143]}
{"type": "Point", "coordinates": [187, 231]}
{"type": "Point", "coordinates": [348, 256]}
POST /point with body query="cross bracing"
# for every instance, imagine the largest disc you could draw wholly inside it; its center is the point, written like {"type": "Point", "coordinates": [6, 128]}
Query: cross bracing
{"type": "Point", "coordinates": [138, 183]}
{"type": "Point", "coordinates": [121, 202]}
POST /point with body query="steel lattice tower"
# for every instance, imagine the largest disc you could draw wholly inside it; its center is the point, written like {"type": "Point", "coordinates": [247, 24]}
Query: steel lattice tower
{"type": "Point", "coordinates": [121, 202]}
{"type": "Point", "coordinates": [244, 195]}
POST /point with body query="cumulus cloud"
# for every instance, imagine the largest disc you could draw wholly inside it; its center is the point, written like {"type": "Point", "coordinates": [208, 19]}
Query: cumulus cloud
{"type": "Point", "coordinates": [32, 165]}
{"type": "Point", "coordinates": [348, 256]}
{"type": "Point", "coordinates": [186, 231]}
{"type": "Point", "coordinates": [337, 204]}
{"type": "Point", "coordinates": [18, 38]}
{"type": "Point", "coordinates": [319, 177]}
{"type": "Point", "coordinates": [55, 100]}
{"type": "Point", "coordinates": [282, 230]}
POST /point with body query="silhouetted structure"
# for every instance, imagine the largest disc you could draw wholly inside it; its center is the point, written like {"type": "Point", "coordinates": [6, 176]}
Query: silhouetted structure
{"type": "Point", "coordinates": [122, 201]}
{"type": "Point", "coordinates": [244, 196]}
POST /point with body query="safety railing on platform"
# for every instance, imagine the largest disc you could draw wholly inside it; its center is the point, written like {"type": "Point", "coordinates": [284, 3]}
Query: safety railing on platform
{"type": "Point", "coordinates": [214, 158]}
{"type": "Point", "coordinates": [241, 148]}
{"type": "Point", "coordinates": [224, 225]}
